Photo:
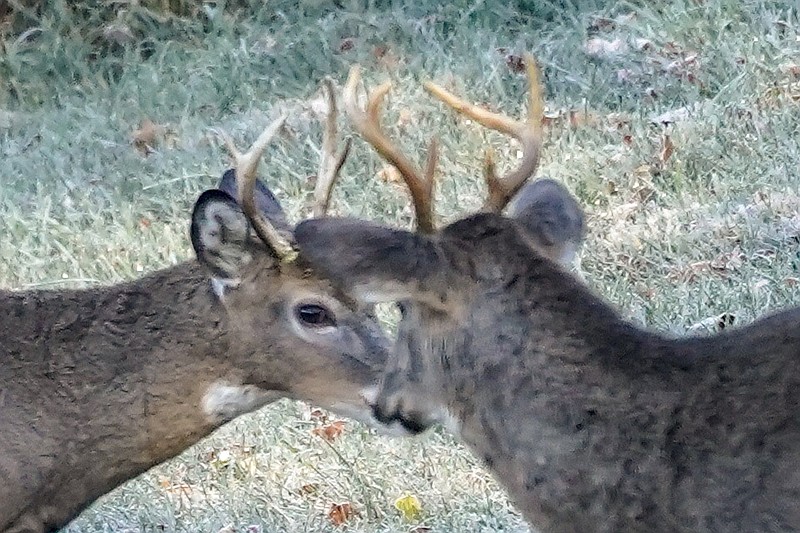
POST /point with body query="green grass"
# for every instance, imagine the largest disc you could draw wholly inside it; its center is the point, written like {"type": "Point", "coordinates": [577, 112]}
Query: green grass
{"type": "Point", "coordinates": [714, 229]}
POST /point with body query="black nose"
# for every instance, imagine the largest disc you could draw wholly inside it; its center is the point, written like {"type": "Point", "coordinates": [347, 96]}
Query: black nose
{"type": "Point", "coordinates": [412, 424]}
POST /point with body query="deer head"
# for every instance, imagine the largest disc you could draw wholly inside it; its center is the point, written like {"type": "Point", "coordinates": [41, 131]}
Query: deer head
{"type": "Point", "coordinates": [431, 273]}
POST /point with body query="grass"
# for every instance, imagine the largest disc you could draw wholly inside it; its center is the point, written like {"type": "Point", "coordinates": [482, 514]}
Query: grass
{"type": "Point", "coordinates": [713, 228]}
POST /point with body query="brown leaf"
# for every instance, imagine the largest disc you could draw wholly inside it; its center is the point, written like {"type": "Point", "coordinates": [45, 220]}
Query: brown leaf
{"type": "Point", "coordinates": [330, 432]}
{"type": "Point", "coordinates": [147, 137]}
{"type": "Point", "coordinates": [404, 118]}
{"type": "Point", "coordinates": [341, 513]}
{"type": "Point", "coordinates": [390, 174]}
{"type": "Point", "coordinates": [308, 489]}
{"type": "Point", "coordinates": [667, 149]}
{"type": "Point", "coordinates": [319, 414]}
{"type": "Point", "coordinates": [515, 63]}
{"type": "Point", "coordinates": [347, 44]}
{"type": "Point", "coordinates": [386, 57]}
{"type": "Point", "coordinates": [602, 24]}
{"type": "Point", "coordinates": [421, 529]}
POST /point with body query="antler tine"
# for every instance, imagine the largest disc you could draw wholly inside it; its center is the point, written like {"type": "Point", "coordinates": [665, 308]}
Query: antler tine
{"type": "Point", "coordinates": [330, 163]}
{"type": "Point", "coordinates": [367, 124]}
{"type": "Point", "coordinates": [246, 165]}
{"type": "Point", "coordinates": [528, 133]}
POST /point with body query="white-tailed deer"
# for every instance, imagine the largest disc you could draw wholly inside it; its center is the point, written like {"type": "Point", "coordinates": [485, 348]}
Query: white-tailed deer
{"type": "Point", "coordinates": [99, 385]}
{"type": "Point", "coordinates": [590, 422]}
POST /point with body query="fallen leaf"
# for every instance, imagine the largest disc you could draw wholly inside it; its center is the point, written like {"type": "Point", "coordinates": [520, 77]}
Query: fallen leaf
{"type": "Point", "coordinates": [347, 44]}
{"type": "Point", "coordinates": [793, 69]}
{"type": "Point", "coordinates": [667, 149]}
{"type": "Point", "coordinates": [672, 116]}
{"type": "Point", "coordinates": [308, 489]}
{"type": "Point", "coordinates": [515, 63]}
{"type": "Point", "coordinates": [146, 138]}
{"type": "Point", "coordinates": [340, 513]}
{"type": "Point", "coordinates": [602, 48]}
{"type": "Point", "coordinates": [409, 506]}
{"type": "Point", "coordinates": [390, 174]}
{"type": "Point", "coordinates": [330, 432]}
{"type": "Point", "coordinates": [404, 118]}
{"type": "Point", "coordinates": [602, 24]}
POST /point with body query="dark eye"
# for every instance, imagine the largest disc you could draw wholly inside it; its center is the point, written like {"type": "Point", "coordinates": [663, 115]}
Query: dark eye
{"type": "Point", "coordinates": [315, 315]}
{"type": "Point", "coordinates": [402, 308]}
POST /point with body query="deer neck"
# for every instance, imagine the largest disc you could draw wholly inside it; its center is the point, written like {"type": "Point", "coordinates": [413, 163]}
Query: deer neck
{"type": "Point", "coordinates": [109, 382]}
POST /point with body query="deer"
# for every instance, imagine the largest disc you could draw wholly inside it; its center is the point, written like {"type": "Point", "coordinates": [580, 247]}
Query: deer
{"type": "Point", "coordinates": [98, 385]}
{"type": "Point", "coordinates": [589, 422]}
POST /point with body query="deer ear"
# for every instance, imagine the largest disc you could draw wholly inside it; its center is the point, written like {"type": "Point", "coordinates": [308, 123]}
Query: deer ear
{"type": "Point", "coordinates": [221, 235]}
{"type": "Point", "coordinates": [377, 264]}
{"type": "Point", "coordinates": [266, 201]}
{"type": "Point", "coordinates": [551, 217]}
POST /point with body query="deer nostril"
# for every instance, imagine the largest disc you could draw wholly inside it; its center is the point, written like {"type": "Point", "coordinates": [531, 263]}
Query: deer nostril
{"type": "Point", "coordinates": [381, 415]}
{"type": "Point", "coordinates": [412, 425]}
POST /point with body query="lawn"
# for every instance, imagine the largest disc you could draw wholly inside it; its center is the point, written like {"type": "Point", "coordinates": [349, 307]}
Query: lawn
{"type": "Point", "coordinates": [675, 124]}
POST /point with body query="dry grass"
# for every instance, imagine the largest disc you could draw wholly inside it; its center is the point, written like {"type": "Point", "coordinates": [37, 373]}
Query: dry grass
{"type": "Point", "coordinates": [680, 231]}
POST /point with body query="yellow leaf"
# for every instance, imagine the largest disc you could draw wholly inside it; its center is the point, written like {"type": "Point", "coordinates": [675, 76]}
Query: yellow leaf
{"type": "Point", "coordinates": [409, 506]}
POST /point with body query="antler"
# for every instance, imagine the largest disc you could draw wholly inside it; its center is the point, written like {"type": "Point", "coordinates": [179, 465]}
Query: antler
{"type": "Point", "coordinates": [246, 165]}
{"type": "Point", "coordinates": [330, 164]}
{"type": "Point", "coordinates": [367, 124]}
{"type": "Point", "coordinates": [528, 133]}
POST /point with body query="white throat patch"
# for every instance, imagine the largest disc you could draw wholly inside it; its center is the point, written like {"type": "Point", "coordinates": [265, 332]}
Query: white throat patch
{"type": "Point", "coordinates": [223, 402]}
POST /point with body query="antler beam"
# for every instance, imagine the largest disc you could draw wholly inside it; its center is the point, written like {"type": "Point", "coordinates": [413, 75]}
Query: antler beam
{"type": "Point", "coordinates": [528, 133]}
{"type": "Point", "coordinates": [367, 124]}
{"type": "Point", "coordinates": [246, 165]}
{"type": "Point", "coordinates": [330, 162]}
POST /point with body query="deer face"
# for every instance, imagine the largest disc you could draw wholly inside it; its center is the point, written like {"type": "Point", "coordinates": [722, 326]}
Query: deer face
{"type": "Point", "coordinates": [444, 280]}
{"type": "Point", "coordinates": [291, 332]}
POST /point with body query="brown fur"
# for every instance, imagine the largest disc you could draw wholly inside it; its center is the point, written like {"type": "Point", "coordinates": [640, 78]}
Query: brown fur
{"type": "Point", "coordinates": [99, 385]}
{"type": "Point", "coordinates": [589, 422]}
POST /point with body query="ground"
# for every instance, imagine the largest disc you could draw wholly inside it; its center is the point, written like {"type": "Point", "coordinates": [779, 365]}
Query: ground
{"type": "Point", "coordinates": [675, 124]}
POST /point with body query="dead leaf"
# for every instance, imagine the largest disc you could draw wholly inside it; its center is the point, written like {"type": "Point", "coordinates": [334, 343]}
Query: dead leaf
{"type": "Point", "coordinates": [602, 24]}
{"type": "Point", "coordinates": [667, 148]}
{"type": "Point", "coordinates": [792, 69]}
{"type": "Point", "coordinates": [409, 506]}
{"type": "Point", "coordinates": [583, 118]}
{"type": "Point", "coordinates": [714, 323]}
{"type": "Point", "coordinates": [230, 528]}
{"type": "Point", "coordinates": [341, 513]}
{"type": "Point", "coordinates": [118, 33]}
{"type": "Point", "coordinates": [308, 489]}
{"type": "Point", "coordinates": [386, 57]}
{"type": "Point", "coordinates": [672, 116]}
{"type": "Point", "coordinates": [404, 118]}
{"type": "Point", "coordinates": [318, 414]}
{"type": "Point", "coordinates": [420, 529]}
{"type": "Point", "coordinates": [330, 432]}
{"type": "Point", "coordinates": [147, 137]}
{"type": "Point", "coordinates": [515, 63]}
{"type": "Point", "coordinates": [347, 44]}
{"type": "Point", "coordinates": [791, 282]}
{"type": "Point", "coordinates": [602, 48]}
{"type": "Point", "coordinates": [390, 174]}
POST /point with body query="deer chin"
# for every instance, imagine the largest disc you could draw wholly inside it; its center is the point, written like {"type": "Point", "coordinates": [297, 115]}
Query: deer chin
{"type": "Point", "coordinates": [222, 401]}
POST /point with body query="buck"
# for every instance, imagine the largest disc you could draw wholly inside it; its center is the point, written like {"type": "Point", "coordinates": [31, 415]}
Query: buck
{"type": "Point", "coordinates": [590, 422]}
{"type": "Point", "coordinates": [99, 385]}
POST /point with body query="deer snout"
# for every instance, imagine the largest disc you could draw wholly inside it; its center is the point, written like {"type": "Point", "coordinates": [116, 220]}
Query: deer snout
{"type": "Point", "coordinates": [393, 419]}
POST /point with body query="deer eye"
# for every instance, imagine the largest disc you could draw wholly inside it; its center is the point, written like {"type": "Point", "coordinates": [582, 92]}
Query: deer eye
{"type": "Point", "coordinates": [315, 316]}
